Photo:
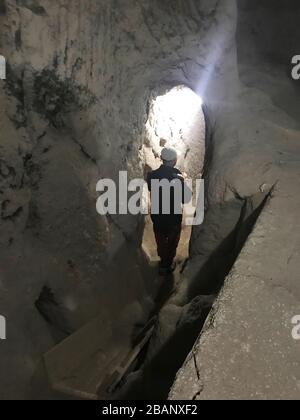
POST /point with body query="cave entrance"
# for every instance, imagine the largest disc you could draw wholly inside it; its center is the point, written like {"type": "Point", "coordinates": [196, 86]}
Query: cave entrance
{"type": "Point", "coordinates": [175, 119]}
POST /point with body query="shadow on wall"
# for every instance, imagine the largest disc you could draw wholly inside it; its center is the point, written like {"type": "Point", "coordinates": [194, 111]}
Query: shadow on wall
{"type": "Point", "coordinates": [210, 279]}
{"type": "Point", "coordinates": [186, 321]}
{"type": "Point", "coordinates": [157, 377]}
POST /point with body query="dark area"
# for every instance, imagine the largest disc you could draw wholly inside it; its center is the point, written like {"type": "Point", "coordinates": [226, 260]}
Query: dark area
{"type": "Point", "coordinates": [211, 277]}
{"type": "Point", "coordinates": [33, 6]}
{"type": "Point", "coordinates": [54, 97]}
{"type": "Point", "coordinates": [159, 374]}
{"type": "Point", "coordinates": [14, 87]}
{"type": "Point", "coordinates": [18, 39]}
{"type": "Point", "coordinates": [53, 314]}
{"type": "Point", "coordinates": [276, 42]}
{"type": "Point", "coordinates": [2, 7]}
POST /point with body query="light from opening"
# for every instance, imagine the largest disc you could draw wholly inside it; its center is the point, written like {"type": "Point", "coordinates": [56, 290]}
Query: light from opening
{"type": "Point", "coordinates": [181, 104]}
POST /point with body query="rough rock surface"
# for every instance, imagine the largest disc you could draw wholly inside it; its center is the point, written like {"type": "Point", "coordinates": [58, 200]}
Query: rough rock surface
{"type": "Point", "coordinates": [74, 108]}
{"type": "Point", "coordinates": [246, 350]}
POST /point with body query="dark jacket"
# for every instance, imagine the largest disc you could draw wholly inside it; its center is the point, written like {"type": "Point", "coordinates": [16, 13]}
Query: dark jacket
{"type": "Point", "coordinates": [166, 222]}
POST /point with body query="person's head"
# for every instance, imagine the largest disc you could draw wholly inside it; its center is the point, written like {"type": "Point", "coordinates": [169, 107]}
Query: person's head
{"type": "Point", "coordinates": [169, 156]}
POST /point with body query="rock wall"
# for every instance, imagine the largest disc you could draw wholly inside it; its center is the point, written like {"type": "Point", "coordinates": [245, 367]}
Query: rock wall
{"type": "Point", "coordinates": [73, 109]}
{"type": "Point", "coordinates": [252, 133]}
{"type": "Point", "coordinates": [245, 141]}
{"type": "Point", "coordinates": [256, 146]}
{"type": "Point", "coordinates": [80, 78]}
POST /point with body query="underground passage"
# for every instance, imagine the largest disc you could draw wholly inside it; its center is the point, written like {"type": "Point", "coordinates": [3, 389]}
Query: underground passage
{"type": "Point", "coordinates": [149, 204]}
{"type": "Point", "coordinates": [175, 120]}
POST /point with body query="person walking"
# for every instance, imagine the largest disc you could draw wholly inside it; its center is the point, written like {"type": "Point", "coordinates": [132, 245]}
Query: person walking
{"type": "Point", "coordinates": [168, 194]}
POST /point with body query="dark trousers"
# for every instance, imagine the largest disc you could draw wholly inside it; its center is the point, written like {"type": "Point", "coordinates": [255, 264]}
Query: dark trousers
{"type": "Point", "coordinates": [167, 243]}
